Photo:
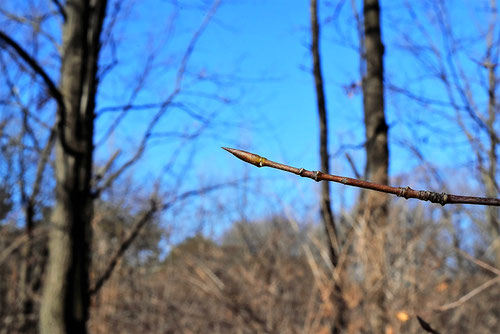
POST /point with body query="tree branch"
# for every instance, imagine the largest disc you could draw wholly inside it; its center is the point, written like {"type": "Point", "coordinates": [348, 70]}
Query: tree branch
{"type": "Point", "coordinates": [469, 295]}
{"type": "Point", "coordinates": [53, 90]}
{"type": "Point", "coordinates": [60, 9]}
{"type": "Point", "coordinates": [164, 106]}
{"type": "Point", "coordinates": [407, 192]}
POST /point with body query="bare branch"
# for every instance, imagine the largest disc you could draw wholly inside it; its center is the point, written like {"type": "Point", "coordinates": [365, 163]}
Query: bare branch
{"type": "Point", "coordinates": [480, 263]}
{"type": "Point", "coordinates": [19, 241]}
{"type": "Point", "coordinates": [469, 295]}
{"type": "Point", "coordinates": [54, 91]}
{"type": "Point", "coordinates": [406, 192]}
{"type": "Point", "coordinates": [166, 104]}
{"type": "Point", "coordinates": [60, 9]}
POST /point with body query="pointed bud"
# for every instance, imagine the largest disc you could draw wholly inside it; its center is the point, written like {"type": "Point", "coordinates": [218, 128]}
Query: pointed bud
{"type": "Point", "coordinates": [251, 158]}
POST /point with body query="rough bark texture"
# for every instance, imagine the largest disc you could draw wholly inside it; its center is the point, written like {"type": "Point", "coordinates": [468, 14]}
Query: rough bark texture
{"type": "Point", "coordinates": [326, 208]}
{"type": "Point", "coordinates": [65, 298]}
{"type": "Point", "coordinates": [377, 163]}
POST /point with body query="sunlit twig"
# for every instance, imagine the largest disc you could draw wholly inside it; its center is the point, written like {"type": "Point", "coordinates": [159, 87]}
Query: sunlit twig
{"type": "Point", "coordinates": [407, 192]}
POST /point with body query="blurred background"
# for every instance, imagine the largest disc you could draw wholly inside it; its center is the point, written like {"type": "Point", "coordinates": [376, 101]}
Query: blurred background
{"type": "Point", "coordinates": [185, 238]}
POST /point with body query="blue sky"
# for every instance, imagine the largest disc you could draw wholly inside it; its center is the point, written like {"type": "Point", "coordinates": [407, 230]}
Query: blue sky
{"type": "Point", "coordinates": [258, 51]}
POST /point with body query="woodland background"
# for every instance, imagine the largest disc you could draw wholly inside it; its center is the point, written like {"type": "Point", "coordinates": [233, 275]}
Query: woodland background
{"type": "Point", "coordinates": [120, 213]}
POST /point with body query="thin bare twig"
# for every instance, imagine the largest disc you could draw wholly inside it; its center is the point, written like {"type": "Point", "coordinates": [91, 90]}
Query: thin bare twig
{"type": "Point", "coordinates": [469, 295]}
{"type": "Point", "coordinates": [407, 192]}
{"type": "Point", "coordinates": [476, 290]}
{"type": "Point", "coordinates": [35, 66]}
{"type": "Point", "coordinates": [60, 9]}
{"type": "Point", "coordinates": [480, 263]}
{"type": "Point", "coordinates": [51, 86]}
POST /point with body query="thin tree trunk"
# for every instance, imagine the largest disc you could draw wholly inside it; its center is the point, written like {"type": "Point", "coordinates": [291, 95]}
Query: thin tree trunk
{"type": "Point", "coordinates": [65, 300]}
{"type": "Point", "coordinates": [489, 176]}
{"type": "Point", "coordinates": [326, 208]}
{"type": "Point", "coordinates": [377, 163]}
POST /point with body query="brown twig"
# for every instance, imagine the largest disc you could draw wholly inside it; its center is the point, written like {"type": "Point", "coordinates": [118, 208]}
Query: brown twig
{"type": "Point", "coordinates": [480, 263]}
{"type": "Point", "coordinates": [469, 295]}
{"type": "Point", "coordinates": [407, 192]}
{"type": "Point", "coordinates": [476, 290]}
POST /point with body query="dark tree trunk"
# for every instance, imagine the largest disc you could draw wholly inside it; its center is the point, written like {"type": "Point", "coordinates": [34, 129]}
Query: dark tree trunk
{"type": "Point", "coordinates": [375, 204]}
{"type": "Point", "coordinates": [326, 208]}
{"type": "Point", "coordinates": [26, 278]}
{"type": "Point", "coordinates": [377, 151]}
{"type": "Point", "coordinates": [65, 300]}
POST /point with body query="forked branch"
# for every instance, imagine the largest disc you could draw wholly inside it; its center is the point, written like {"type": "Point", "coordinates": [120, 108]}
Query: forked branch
{"type": "Point", "coordinates": [406, 192]}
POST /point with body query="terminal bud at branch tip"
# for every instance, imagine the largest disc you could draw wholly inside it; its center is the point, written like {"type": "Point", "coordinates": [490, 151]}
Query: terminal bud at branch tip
{"type": "Point", "coordinates": [251, 158]}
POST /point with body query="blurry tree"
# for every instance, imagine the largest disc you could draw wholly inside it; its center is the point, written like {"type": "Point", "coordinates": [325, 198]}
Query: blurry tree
{"type": "Point", "coordinates": [66, 299]}
{"type": "Point", "coordinates": [374, 208]}
{"type": "Point", "coordinates": [461, 64]}
{"type": "Point", "coordinates": [375, 204]}
{"type": "Point", "coordinates": [339, 322]}
{"type": "Point", "coordinates": [52, 58]}
{"type": "Point", "coordinates": [376, 129]}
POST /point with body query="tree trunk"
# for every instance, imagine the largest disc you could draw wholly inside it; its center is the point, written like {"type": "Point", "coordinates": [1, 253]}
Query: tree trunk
{"type": "Point", "coordinates": [65, 298]}
{"type": "Point", "coordinates": [377, 151]}
{"type": "Point", "coordinates": [377, 162]}
{"type": "Point", "coordinates": [326, 208]}
{"type": "Point", "coordinates": [26, 277]}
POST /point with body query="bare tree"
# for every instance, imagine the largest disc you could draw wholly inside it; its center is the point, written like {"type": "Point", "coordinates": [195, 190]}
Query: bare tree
{"type": "Point", "coordinates": [464, 70]}
{"type": "Point", "coordinates": [339, 322]}
{"type": "Point", "coordinates": [377, 151]}
{"type": "Point", "coordinates": [66, 290]}
{"type": "Point", "coordinates": [66, 300]}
